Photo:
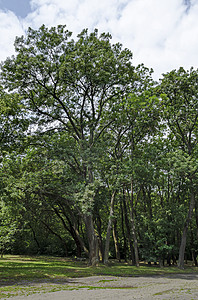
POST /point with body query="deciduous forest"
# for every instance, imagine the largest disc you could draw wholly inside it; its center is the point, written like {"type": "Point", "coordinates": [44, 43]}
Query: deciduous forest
{"type": "Point", "coordinates": [97, 159]}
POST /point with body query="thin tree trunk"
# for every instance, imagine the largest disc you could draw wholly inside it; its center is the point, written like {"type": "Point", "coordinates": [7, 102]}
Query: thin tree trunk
{"type": "Point", "coordinates": [135, 243]}
{"type": "Point", "coordinates": [123, 232]}
{"type": "Point", "coordinates": [34, 236]}
{"type": "Point", "coordinates": [108, 234]}
{"type": "Point", "coordinates": [115, 238]}
{"type": "Point", "coordinates": [72, 229]}
{"type": "Point", "coordinates": [196, 217]}
{"type": "Point", "coordinates": [128, 229]}
{"type": "Point", "coordinates": [184, 235]}
{"type": "Point", "coordinates": [100, 243]}
{"type": "Point", "coordinates": [100, 250]}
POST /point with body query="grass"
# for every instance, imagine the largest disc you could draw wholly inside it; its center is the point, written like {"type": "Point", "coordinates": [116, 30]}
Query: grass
{"type": "Point", "coordinates": [18, 274]}
{"type": "Point", "coordinates": [15, 268]}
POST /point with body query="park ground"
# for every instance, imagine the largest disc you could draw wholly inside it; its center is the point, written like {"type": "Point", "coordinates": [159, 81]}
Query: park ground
{"type": "Point", "coordinates": [40, 278]}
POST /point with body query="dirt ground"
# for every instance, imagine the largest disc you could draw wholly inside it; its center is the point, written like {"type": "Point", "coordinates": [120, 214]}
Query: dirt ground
{"type": "Point", "coordinates": [100, 287]}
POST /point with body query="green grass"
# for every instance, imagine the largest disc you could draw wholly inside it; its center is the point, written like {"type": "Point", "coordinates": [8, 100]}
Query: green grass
{"type": "Point", "coordinates": [18, 274]}
{"type": "Point", "coordinates": [15, 268]}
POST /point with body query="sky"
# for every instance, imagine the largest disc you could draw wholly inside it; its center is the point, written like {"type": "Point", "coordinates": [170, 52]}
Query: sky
{"type": "Point", "coordinates": [162, 34]}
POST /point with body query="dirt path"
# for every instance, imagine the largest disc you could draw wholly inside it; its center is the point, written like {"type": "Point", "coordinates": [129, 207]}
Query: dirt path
{"type": "Point", "coordinates": [100, 287]}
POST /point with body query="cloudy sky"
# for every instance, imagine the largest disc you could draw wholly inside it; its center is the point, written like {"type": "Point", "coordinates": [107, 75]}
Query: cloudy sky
{"type": "Point", "coordinates": [162, 34]}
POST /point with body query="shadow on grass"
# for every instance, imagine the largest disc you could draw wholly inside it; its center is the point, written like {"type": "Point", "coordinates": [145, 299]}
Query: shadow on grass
{"type": "Point", "coordinates": [26, 270]}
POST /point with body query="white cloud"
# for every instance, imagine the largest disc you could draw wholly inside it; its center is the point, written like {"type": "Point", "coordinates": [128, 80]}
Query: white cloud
{"type": "Point", "coordinates": [10, 27]}
{"type": "Point", "coordinates": [161, 33]}
{"type": "Point", "coordinates": [76, 14]}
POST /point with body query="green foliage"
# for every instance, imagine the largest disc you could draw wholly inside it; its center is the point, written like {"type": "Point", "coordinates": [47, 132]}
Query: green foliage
{"type": "Point", "coordinates": [8, 229]}
{"type": "Point", "coordinates": [79, 121]}
{"type": "Point", "coordinates": [180, 106]}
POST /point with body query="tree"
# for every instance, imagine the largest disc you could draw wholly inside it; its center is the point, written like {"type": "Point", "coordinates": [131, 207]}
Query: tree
{"type": "Point", "coordinates": [136, 119]}
{"type": "Point", "coordinates": [180, 109]}
{"type": "Point", "coordinates": [67, 85]}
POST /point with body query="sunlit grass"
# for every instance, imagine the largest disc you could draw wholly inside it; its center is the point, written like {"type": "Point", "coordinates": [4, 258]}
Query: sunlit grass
{"type": "Point", "coordinates": [14, 268]}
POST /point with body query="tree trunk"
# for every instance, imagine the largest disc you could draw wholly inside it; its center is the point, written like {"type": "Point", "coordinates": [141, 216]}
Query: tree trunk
{"type": "Point", "coordinates": [108, 234]}
{"type": "Point", "coordinates": [196, 216]}
{"type": "Point", "coordinates": [34, 236]}
{"type": "Point", "coordinates": [77, 239]}
{"type": "Point", "coordinates": [115, 238]}
{"type": "Point", "coordinates": [92, 240]}
{"type": "Point", "coordinates": [194, 258]}
{"type": "Point", "coordinates": [135, 243]}
{"type": "Point", "coordinates": [73, 230]}
{"type": "Point", "coordinates": [184, 235]}
{"type": "Point", "coordinates": [123, 233]}
{"type": "Point", "coordinates": [100, 243]}
{"type": "Point", "coordinates": [128, 229]}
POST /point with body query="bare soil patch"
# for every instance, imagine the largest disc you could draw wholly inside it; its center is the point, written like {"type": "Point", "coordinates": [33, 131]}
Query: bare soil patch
{"type": "Point", "coordinates": [177, 286]}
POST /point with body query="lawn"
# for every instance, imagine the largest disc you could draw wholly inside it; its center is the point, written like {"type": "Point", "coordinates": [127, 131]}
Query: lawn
{"type": "Point", "coordinates": [14, 268]}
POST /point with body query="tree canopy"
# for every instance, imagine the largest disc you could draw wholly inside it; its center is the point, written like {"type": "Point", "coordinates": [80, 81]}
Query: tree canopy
{"type": "Point", "coordinates": [97, 158]}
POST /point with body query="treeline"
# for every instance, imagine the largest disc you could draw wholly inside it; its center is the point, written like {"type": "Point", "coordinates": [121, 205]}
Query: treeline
{"type": "Point", "coordinates": [97, 159]}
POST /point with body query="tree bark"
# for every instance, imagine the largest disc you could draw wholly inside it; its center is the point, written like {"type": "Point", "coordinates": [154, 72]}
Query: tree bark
{"type": "Point", "coordinates": [92, 240]}
{"type": "Point", "coordinates": [184, 235]}
{"type": "Point", "coordinates": [196, 216]}
{"type": "Point", "coordinates": [100, 243]}
{"type": "Point", "coordinates": [77, 238]}
{"type": "Point", "coordinates": [127, 223]}
{"type": "Point", "coordinates": [108, 234]}
{"type": "Point", "coordinates": [115, 238]}
{"type": "Point", "coordinates": [72, 229]}
{"type": "Point", "coordinates": [135, 243]}
{"type": "Point", "coordinates": [123, 232]}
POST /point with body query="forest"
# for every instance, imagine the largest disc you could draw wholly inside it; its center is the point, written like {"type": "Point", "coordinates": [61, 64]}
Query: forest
{"type": "Point", "coordinates": [98, 160]}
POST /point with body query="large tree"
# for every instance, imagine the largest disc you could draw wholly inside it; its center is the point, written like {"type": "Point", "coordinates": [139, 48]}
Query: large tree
{"type": "Point", "coordinates": [67, 85]}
